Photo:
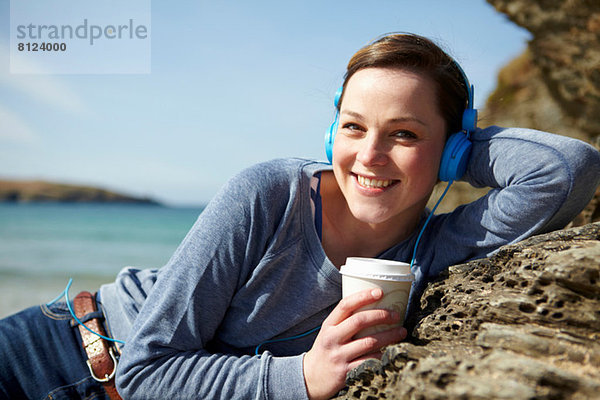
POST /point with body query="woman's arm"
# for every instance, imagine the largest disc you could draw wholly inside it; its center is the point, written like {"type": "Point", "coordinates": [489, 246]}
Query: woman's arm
{"type": "Point", "coordinates": [165, 355]}
{"type": "Point", "coordinates": [540, 182]}
{"type": "Point", "coordinates": [549, 177]}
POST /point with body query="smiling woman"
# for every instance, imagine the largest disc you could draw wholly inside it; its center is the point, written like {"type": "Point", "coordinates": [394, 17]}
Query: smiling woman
{"type": "Point", "coordinates": [254, 274]}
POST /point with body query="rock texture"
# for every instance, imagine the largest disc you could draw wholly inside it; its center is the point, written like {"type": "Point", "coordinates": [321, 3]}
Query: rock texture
{"type": "Point", "coordinates": [522, 324]}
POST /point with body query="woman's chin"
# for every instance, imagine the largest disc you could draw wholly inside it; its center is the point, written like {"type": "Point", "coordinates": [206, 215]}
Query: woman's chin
{"type": "Point", "coordinates": [370, 216]}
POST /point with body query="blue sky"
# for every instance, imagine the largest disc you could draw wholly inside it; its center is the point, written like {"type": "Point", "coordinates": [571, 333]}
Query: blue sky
{"type": "Point", "coordinates": [232, 83]}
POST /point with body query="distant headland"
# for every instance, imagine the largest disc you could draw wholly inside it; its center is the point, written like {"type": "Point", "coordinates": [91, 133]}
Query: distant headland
{"type": "Point", "coordinates": [22, 191]}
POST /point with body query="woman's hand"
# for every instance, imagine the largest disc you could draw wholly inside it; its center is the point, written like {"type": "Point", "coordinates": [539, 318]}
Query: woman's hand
{"type": "Point", "coordinates": [335, 352]}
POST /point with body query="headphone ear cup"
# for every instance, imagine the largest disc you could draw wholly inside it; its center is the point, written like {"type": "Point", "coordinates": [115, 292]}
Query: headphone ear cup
{"type": "Point", "coordinates": [455, 157]}
{"type": "Point", "coordinates": [329, 136]}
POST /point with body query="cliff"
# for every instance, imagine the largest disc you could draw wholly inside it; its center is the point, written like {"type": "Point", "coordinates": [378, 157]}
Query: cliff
{"type": "Point", "coordinates": [44, 192]}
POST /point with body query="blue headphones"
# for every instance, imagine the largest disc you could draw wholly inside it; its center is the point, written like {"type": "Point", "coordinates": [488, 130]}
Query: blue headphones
{"type": "Point", "coordinates": [458, 146]}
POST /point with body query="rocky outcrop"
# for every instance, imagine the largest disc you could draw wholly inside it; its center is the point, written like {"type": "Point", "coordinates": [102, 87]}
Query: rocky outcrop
{"type": "Point", "coordinates": [522, 324]}
{"type": "Point", "coordinates": [47, 192]}
{"type": "Point", "coordinates": [522, 98]}
{"type": "Point", "coordinates": [555, 84]}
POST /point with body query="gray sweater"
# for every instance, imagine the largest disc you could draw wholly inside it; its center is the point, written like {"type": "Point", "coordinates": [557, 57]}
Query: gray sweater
{"type": "Point", "coordinates": [252, 267]}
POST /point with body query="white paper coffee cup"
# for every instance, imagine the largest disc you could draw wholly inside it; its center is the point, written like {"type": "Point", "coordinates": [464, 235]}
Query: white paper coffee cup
{"type": "Point", "coordinates": [394, 278]}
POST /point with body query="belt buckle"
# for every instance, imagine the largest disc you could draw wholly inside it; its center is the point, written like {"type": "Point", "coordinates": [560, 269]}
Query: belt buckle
{"type": "Point", "coordinates": [107, 377]}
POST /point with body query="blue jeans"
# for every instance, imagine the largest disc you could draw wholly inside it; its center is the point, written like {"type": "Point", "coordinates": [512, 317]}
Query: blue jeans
{"type": "Point", "coordinates": [41, 357]}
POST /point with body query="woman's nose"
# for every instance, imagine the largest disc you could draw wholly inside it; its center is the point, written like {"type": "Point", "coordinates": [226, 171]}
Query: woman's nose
{"type": "Point", "coordinates": [372, 151]}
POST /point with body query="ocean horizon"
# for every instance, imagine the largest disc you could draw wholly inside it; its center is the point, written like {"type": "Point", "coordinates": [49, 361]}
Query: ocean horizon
{"type": "Point", "coordinates": [42, 245]}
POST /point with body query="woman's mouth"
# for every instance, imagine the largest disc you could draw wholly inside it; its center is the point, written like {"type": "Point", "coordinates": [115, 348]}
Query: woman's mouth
{"type": "Point", "coordinates": [374, 183]}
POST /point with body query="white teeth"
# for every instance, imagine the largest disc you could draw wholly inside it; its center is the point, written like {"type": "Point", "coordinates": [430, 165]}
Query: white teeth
{"type": "Point", "coordinates": [373, 183]}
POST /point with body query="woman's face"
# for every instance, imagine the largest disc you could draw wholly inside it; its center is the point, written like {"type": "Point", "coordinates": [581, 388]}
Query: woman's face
{"type": "Point", "coordinates": [388, 146]}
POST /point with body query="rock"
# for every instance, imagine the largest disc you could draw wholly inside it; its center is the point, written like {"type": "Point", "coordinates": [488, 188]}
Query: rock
{"type": "Point", "coordinates": [522, 98]}
{"type": "Point", "coordinates": [559, 69]}
{"type": "Point", "coordinates": [522, 324]}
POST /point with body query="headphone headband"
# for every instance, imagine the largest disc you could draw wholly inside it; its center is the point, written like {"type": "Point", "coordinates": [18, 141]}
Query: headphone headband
{"type": "Point", "coordinates": [469, 117]}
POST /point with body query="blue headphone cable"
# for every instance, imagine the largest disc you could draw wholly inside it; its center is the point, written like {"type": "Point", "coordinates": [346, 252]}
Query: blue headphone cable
{"type": "Point", "coordinates": [66, 295]}
{"type": "Point", "coordinates": [414, 256]}
{"type": "Point", "coordinates": [285, 339]}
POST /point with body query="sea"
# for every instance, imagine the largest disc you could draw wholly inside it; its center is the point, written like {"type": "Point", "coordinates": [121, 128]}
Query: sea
{"type": "Point", "coordinates": [42, 245]}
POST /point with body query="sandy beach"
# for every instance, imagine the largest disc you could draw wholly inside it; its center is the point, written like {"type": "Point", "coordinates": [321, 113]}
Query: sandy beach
{"type": "Point", "coordinates": [21, 291]}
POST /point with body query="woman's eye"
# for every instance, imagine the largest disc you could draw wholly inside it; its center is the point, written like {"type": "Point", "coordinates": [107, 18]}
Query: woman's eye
{"type": "Point", "coordinates": [405, 134]}
{"type": "Point", "coordinates": [351, 126]}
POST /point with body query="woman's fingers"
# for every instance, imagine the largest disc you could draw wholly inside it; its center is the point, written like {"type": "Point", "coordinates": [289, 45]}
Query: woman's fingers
{"type": "Point", "coordinates": [335, 350]}
{"type": "Point", "coordinates": [348, 305]}
{"type": "Point", "coordinates": [368, 346]}
{"type": "Point", "coordinates": [364, 319]}
{"type": "Point", "coordinates": [326, 364]}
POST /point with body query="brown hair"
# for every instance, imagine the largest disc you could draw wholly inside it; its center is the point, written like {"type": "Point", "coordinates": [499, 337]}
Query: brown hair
{"type": "Point", "coordinates": [419, 55]}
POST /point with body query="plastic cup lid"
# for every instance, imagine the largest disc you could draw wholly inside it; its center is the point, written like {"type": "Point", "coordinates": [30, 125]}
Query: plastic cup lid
{"type": "Point", "coordinates": [375, 268]}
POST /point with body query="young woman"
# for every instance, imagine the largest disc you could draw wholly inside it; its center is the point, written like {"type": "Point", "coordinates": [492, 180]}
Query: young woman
{"type": "Point", "coordinates": [249, 306]}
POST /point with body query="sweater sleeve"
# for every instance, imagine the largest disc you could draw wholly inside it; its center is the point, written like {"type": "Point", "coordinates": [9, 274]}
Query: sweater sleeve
{"type": "Point", "coordinates": [167, 354]}
{"type": "Point", "coordinates": [539, 182]}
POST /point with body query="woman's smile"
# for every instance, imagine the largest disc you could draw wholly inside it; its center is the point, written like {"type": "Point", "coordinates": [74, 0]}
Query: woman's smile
{"type": "Point", "coordinates": [374, 185]}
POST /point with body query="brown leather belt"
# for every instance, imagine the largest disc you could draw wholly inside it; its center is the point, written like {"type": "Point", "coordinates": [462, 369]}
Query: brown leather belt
{"type": "Point", "coordinates": [101, 357]}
